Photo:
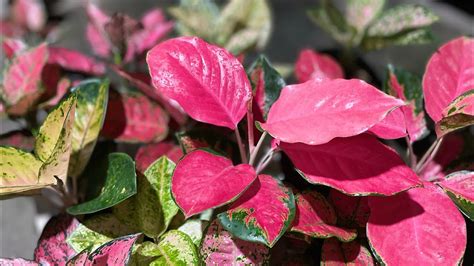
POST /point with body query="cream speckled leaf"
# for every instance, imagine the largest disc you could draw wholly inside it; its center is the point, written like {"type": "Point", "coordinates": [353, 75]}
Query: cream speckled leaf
{"type": "Point", "coordinates": [194, 228]}
{"type": "Point", "coordinates": [359, 13]}
{"type": "Point", "coordinates": [177, 249]}
{"type": "Point", "coordinates": [19, 171]}
{"type": "Point", "coordinates": [92, 98]}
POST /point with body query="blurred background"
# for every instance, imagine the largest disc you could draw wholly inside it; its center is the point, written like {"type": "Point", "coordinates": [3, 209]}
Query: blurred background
{"type": "Point", "coordinates": [22, 219]}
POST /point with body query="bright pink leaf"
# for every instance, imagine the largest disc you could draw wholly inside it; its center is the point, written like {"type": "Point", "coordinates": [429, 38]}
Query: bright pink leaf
{"type": "Point", "coordinates": [351, 211]}
{"type": "Point", "coordinates": [114, 252]}
{"type": "Point", "coordinates": [359, 165]}
{"type": "Point", "coordinates": [203, 180]}
{"type": "Point", "coordinates": [52, 247]}
{"type": "Point", "coordinates": [424, 226]}
{"type": "Point", "coordinates": [449, 73]}
{"type": "Point", "coordinates": [312, 65]}
{"type": "Point", "coordinates": [147, 154]}
{"type": "Point", "coordinates": [262, 214]}
{"type": "Point", "coordinates": [134, 118]}
{"type": "Point", "coordinates": [335, 253]}
{"type": "Point", "coordinates": [316, 217]}
{"type": "Point", "coordinates": [30, 14]}
{"type": "Point", "coordinates": [392, 126]}
{"type": "Point", "coordinates": [13, 47]}
{"type": "Point", "coordinates": [207, 81]}
{"type": "Point", "coordinates": [75, 61]}
{"type": "Point", "coordinates": [219, 247]}
{"type": "Point", "coordinates": [23, 77]}
{"type": "Point", "coordinates": [316, 112]}
{"type": "Point", "coordinates": [18, 262]}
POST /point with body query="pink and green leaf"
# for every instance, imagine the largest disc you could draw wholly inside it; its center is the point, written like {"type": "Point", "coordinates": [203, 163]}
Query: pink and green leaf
{"type": "Point", "coordinates": [316, 217]}
{"type": "Point", "coordinates": [207, 81]}
{"type": "Point", "coordinates": [425, 216]}
{"type": "Point", "coordinates": [359, 165]}
{"type": "Point", "coordinates": [176, 248]}
{"type": "Point", "coordinates": [458, 114]}
{"type": "Point", "coordinates": [460, 188]}
{"type": "Point", "coordinates": [335, 253]}
{"type": "Point", "coordinates": [115, 252]}
{"type": "Point", "coordinates": [332, 108]}
{"type": "Point", "coordinates": [221, 247]}
{"type": "Point", "coordinates": [203, 181]}
{"type": "Point", "coordinates": [449, 73]}
{"type": "Point", "coordinates": [262, 214]}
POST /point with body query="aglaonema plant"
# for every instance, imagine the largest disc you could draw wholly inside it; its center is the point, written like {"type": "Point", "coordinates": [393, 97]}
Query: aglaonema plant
{"type": "Point", "coordinates": [234, 166]}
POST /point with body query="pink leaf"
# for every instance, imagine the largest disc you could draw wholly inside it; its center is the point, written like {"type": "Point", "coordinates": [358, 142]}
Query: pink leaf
{"type": "Point", "coordinates": [134, 118]}
{"type": "Point", "coordinates": [52, 247]}
{"type": "Point", "coordinates": [460, 188]}
{"type": "Point", "coordinates": [207, 81]}
{"type": "Point", "coordinates": [18, 139]}
{"type": "Point", "coordinates": [23, 77]}
{"type": "Point", "coordinates": [147, 154]}
{"type": "Point", "coordinates": [17, 262]}
{"type": "Point", "coordinates": [315, 112]}
{"type": "Point", "coordinates": [351, 211]}
{"type": "Point", "coordinates": [424, 226]}
{"type": "Point", "coordinates": [63, 86]}
{"type": "Point", "coordinates": [359, 165]}
{"type": "Point", "coordinates": [219, 247]}
{"type": "Point", "coordinates": [335, 253]}
{"type": "Point", "coordinates": [392, 126]}
{"type": "Point", "coordinates": [13, 47]}
{"type": "Point", "coordinates": [316, 217]}
{"type": "Point", "coordinates": [75, 61]}
{"type": "Point", "coordinates": [203, 180]}
{"type": "Point", "coordinates": [115, 252]}
{"type": "Point", "coordinates": [30, 14]}
{"type": "Point", "coordinates": [312, 65]}
{"type": "Point", "coordinates": [262, 214]}
{"type": "Point", "coordinates": [95, 31]}
{"type": "Point", "coordinates": [449, 73]}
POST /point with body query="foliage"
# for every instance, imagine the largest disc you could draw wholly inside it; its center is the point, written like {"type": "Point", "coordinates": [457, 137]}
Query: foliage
{"type": "Point", "coordinates": [208, 183]}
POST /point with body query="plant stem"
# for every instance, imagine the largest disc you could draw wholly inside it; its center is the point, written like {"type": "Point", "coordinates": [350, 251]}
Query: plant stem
{"type": "Point", "coordinates": [243, 154]}
{"type": "Point", "coordinates": [267, 158]}
{"type": "Point", "coordinates": [250, 126]}
{"type": "Point", "coordinates": [429, 155]}
{"type": "Point", "coordinates": [411, 154]}
{"type": "Point", "coordinates": [254, 153]}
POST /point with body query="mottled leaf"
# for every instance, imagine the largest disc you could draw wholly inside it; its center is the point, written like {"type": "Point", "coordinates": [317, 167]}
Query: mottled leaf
{"type": "Point", "coordinates": [115, 252]}
{"type": "Point", "coordinates": [203, 180]}
{"type": "Point", "coordinates": [335, 253]}
{"type": "Point", "coordinates": [416, 36]}
{"type": "Point", "coordinates": [207, 81]}
{"type": "Point", "coordinates": [13, 47]}
{"type": "Point", "coordinates": [460, 188]}
{"type": "Point", "coordinates": [134, 118]}
{"type": "Point", "coordinates": [18, 262]}
{"type": "Point", "coordinates": [119, 185]}
{"type": "Point", "coordinates": [360, 13]}
{"type": "Point", "coordinates": [318, 66]}
{"type": "Point", "coordinates": [149, 153]}
{"type": "Point", "coordinates": [89, 117]}
{"type": "Point", "coordinates": [52, 248]}
{"type": "Point", "coordinates": [75, 61]}
{"type": "Point", "coordinates": [330, 109]}
{"type": "Point", "coordinates": [219, 247]}
{"type": "Point", "coordinates": [266, 83]}
{"type": "Point", "coordinates": [194, 228]}
{"type": "Point", "coordinates": [352, 212]}
{"type": "Point", "coordinates": [417, 221]}
{"type": "Point", "coordinates": [458, 114]}
{"type": "Point", "coordinates": [262, 214]}
{"type": "Point", "coordinates": [359, 165]}
{"type": "Point", "coordinates": [316, 217]}
{"type": "Point", "coordinates": [449, 73]}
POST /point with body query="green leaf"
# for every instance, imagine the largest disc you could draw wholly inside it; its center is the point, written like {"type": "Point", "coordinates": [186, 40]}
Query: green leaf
{"type": "Point", "coordinates": [330, 19]}
{"type": "Point", "coordinates": [119, 185]}
{"type": "Point", "coordinates": [359, 13]}
{"type": "Point", "coordinates": [400, 19]}
{"type": "Point", "coordinates": [266, 82]}
{"type": "Point", "coordinates": [177, 249]}
{"type": "Point", "coordinates": [19, 171]}
{"type": "Point", "coordinates": [91, 106]}
{"type": "Point", "coordinates": [194, 228]}
{"type": "Point", "coordinates": [50, 131]}
{"type": "Point", "coordinates": [96, 231]}
{"type": "Point", "coordinates": [458, 114]}
{"type": "Point", "coordinates": [417, 36]}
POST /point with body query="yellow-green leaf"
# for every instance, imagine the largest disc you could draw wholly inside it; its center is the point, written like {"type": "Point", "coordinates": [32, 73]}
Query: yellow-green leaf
{"type": "Point", "coordinates": [176, 248]}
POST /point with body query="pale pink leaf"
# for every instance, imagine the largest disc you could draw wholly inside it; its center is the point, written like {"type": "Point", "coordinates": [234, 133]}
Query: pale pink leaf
{"type": "Point", "coordinates": [95, 31]}
{"type": "Point", "coordinates": [18, 262]}
{"type": "Point", "coordinates": [29, 13]}
{"type": "Point", "coordinates": [219, 247]}
{"type": "Point", "coordinates": [75, 61]}
{"type": "Point", "coordinates": [312, 65]}
{"type": "Point", "coordinates": [424, 226]}
{"type": "Point", "coordinates": [359, 165]}
{"type": "Point", "coordinates": [207, 81]}
{"type": "Point", "coordinates": [149, 153]}
{"type": "Point", "coordinates": [449, 73]}
{"type": "Point", "coordinates": [316, 217]}
{"type": "Point", "coordinates": [202, 180]}
{"type": "Point", "coordinates": [392, 126]}
{"type": "Point", "coordinates": [316, 112]}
